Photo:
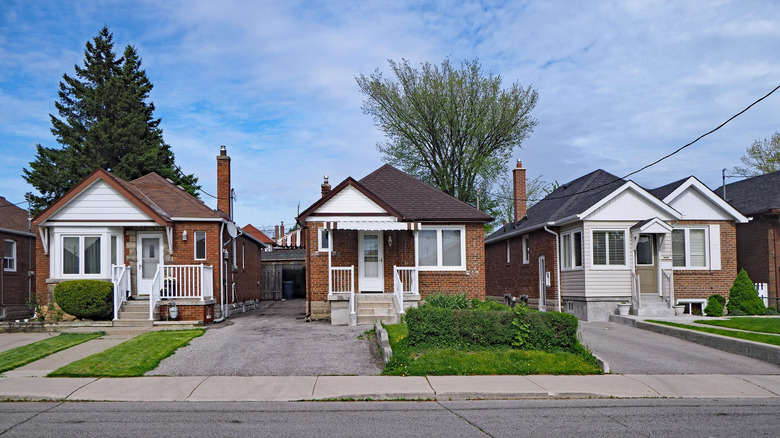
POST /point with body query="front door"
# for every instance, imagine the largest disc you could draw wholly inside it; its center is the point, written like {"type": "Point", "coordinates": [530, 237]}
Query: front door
{"type": "Point", "coordinates": [370, 264]}
{"type": "Point", "coordinates": [149, 255]}
{"type": "Point", "coordinates": [646, 264]}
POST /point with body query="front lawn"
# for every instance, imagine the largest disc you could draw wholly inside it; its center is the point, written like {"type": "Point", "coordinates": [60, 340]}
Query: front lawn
{"type": "Point", "coordinates": [417, 361]}
{"type": "Point", "coordinates": [761, 324]}
{"type": "Point", "coordinates": [755, 337]}
{"type": "Point", "coordinates": [25, 354]}
{"type": "Point", "coordinates": [131, 358]}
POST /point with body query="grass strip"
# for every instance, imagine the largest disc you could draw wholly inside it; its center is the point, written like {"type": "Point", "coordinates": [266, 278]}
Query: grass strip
{"type": "Point", "coordinates": [750, 323]}
{"type": "Point", "coordinates": [407, 361]}
{"type": "Point", "coordinates": [25, 354]}
{"type": "Point", "coordinates": [755, 337]}
{"type": "Point", "coordinates": [131, 358]}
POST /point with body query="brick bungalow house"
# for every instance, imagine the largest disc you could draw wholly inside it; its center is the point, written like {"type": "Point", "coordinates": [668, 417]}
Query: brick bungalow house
{"type": "Point", "coordinates": [18, 260]}
{"type": "Point", "coordinates": [600, 240]}
{"type": "Point", "coordinates": [376, 246]}
{"type": "Point", "coordinates": [758, 241]}
{"type": "Point", "coordinates": [155, 242]}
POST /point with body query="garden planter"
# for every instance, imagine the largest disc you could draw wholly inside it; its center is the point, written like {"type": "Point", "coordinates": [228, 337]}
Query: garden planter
{"type": "Point", "coordinates": [679, 310]}
{"type": "Point", "coordinates": [623, 309]}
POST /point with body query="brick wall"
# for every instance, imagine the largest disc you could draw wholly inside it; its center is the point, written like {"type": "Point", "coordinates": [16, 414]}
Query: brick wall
{"type": "Point", "coordinates": [757, 247]}
{"type": "Point", "coordinates": [187, 312]}
{"type": "Point", "coordinates": [703, 283]}
{"type": "Point", "coordinates": [472, 281]}
{"type": "Point", "coordinates": [517, 278]}
{"type": "Point", "coordinates": [41, 271]}
{"type": "Point", "coordinates": [15, 287]}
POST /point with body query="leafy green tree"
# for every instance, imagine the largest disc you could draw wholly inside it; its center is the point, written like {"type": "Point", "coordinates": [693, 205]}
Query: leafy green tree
{"type": "Point", "coordinates": [106, 121]}
{"type": "Point", "coordinates": [535, 189]}
{"type": "Point", "coordinates": [762, 156]}
{"type": "Point", "coordinates": [454, 128]}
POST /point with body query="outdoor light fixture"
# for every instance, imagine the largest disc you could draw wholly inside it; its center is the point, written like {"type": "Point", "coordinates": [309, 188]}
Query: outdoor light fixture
{"type": "Point", "coordinates": [389, 240]}
{"type": "Point", "coordinates": [184, 235]}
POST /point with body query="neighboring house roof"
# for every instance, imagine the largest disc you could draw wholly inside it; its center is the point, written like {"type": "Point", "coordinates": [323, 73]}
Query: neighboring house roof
{"type": "Point", "coordinates": [664, 191]}
{"type": "Point", "coordinates": [760, 194]}
{"type": "Point", "coordinates": [259, 235]}
{"type": "Point", "coordinates": [407, 198]}
{"type": "Point", "coordinates": [13, 218]}
{"type": "Point", "coordinates": [285, 255]}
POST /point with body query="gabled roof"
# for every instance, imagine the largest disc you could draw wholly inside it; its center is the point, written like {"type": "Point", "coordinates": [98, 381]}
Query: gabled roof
{"type": "Point", "coordinates": [760, 194]}
{"type": "Point", "coordinates": [157, 197]}
{"type": "Point", "coordinates": [12, 218]}
{"type": "Point", "coordinates": [680, 187]}
{"type": "Point", "coordinates": [664, 191]}
{"type": "Point", "coordinates": [406, 198]}
{"type": "Point", "coordinates": [259, 235]}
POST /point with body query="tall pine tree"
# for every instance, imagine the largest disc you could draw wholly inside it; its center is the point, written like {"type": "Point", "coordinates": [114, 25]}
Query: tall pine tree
{"type": "Point", "coordinates": [104, 121]}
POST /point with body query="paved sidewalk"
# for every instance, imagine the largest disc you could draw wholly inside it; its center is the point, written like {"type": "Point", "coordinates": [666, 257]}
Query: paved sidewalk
{"type": "Point", "coordinates": [296, 388]}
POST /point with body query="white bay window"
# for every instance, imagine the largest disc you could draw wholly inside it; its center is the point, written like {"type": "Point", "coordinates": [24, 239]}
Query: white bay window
{"type": "Point", "coordinates": [609, 248]}
{"type": "Point", "coordinates": [86, 252]}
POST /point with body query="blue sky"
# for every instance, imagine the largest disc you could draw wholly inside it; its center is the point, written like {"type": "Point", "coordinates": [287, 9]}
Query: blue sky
{"type": "Point", "coordinates": [620, 83]}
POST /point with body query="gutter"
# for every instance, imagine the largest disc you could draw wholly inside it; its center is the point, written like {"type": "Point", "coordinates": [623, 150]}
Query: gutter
{"type": "Point", "coordinates": [544, 225]}
{"type": "Point", "coordinates": [557, 264]}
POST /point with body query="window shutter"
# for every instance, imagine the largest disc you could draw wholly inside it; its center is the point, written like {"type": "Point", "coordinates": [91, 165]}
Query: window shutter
{"type": "Point", "coordinates": [715, 247]}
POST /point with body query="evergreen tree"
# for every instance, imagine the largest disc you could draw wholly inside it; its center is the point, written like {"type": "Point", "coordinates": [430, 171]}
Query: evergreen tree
{"type": "Point", "coordinates": [104, 121]}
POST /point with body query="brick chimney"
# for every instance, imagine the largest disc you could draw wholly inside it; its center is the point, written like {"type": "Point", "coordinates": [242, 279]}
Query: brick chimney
{"type": "Point", "coordinates": [325, 187]}
{"type": "Point", "coordinates": [223, 181]}
{"type": "Point", "coordinates": [276, 232]}
{"type": "Point", "coordinates": [519, 193]}
{"type": "Point", "coordinates": [281, 230]}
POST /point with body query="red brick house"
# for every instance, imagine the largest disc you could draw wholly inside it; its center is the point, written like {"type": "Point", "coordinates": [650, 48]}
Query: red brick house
{"type": "Point", "coordinates": [155, 242]}
{"type": "Point", "coordinates": [16, 279]}
{"type": "Point", "coordinates": [758, 241]}
{"type": "Point", "coordinates": [376, 246]}
{"type": "Point", "coordinates": [600, 240]}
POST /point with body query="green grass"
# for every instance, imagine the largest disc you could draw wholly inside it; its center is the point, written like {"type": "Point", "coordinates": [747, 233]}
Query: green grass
{"type": "Point", "coordinates": [750, 323]}
{"type": "Point", "coordinates": [131, 358]}
{"type": "Point", "coordinates": [409, 361]}
{"type": "Point", "coordinates": [755, 337]}
{"type": "Point", "coordinates": [25, 354]}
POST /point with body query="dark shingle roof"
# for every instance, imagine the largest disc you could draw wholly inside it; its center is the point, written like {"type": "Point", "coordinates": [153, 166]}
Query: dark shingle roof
{"type": "Point", "coordinates": [754, 195]}
{"type": "Point", "coordinates": [567, 200]}
{"type": "Point", "coordinates": [12, 217]}
{"type": "Point", "coordinates": [417, 201]}
{"type": "Point", "coordinates": [664, 191]}
{"type": "Point", "coordinates": [169, 198]}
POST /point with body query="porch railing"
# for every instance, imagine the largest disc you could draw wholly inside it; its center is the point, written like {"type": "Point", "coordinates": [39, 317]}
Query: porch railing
{"type": "Point", "coordinates": [120, 277]}
{"type": "Point", "coordinates": [181, 282]}
{"type": "Point", "coordinates": [405, 282]}
{"type": "Point", "coordinates": [667, 288]}
{"type": "Point", "coordinates": [342, 280]}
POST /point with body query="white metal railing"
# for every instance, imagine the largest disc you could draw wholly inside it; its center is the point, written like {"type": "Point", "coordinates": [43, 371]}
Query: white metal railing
{"type": "Point", "coordinates": [154, 294]}
{"type": "Point", "coordinates": [667, 288]}
{"type": "Point", "coordinates": [342, 280]}
{"type": "Point", "coordinates": [181, 282]}
{"type": "Point", "coordinates": [120, 277]}
{"type": "Point", "coordinates": [405, 282]}
{"type": "Point", "coordinates": [763, 292]}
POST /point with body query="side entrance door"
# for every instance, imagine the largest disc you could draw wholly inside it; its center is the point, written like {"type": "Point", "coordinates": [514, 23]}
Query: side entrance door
{"type": "Point", "coordinates": [149, 248]}
{"type": "Point", "coordinates": [542, 284]}
{"type": "Point", "coordinates": [370, 262]}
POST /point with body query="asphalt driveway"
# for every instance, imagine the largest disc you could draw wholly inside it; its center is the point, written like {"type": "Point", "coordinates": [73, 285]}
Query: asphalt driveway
{"type": "Point", "coordinates": [275, 341]}
{"type": "Point", "coordinates": [630, 350]}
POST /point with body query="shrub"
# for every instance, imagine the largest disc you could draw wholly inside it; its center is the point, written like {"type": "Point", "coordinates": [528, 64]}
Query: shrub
{"type": "Point", "coordinates": [447, 301]}
{"type": "Point", "coordinates": [546, 331]}
{"type": "Point", "coordinates": [488, 305]}
{"type": "Point", "coordinates": [436, 327]}
{"type": "Point", "coordinates": [744, 297]}
{"type": "Point", "coordinates": [771, 311]}
{"type": "Point", "coordinates": [714, 306]}
{"type": "Point", "coordinates": [721, 299]}
{"type": "Point", "coordinates": [93, 299]}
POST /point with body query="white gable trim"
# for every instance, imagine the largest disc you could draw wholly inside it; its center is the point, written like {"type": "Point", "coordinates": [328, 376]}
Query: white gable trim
{"type": "Point", "coordinates": [350, 200]}
{"type": "Point", "coordinates": [630, 185]}
{"type": "Point", "coordinates": [694, 183]}
{"type": "Point", "coordinates": [99, 202]}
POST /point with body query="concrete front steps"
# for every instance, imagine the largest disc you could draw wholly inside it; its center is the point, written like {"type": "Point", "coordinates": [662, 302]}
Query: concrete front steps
{"type": "Point", "coordinates": [653, 305]}
{"type": "Point", "coordinates": [135, 313]}
{"type": "Point", "coordinates": [371, 308]}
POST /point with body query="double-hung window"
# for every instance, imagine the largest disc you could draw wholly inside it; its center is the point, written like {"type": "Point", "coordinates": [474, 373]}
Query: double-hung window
{"type": "Point", "coordinates": [81, 255]}
{"type": "Point", "coordinates": [9, 256]}
{"type": "Point", "coordinates": [571, 250]}
{"type": "Point", "coordinates": [526, 250]}
{"type": "Point", "coordinates": [323, 242]}
{"type": "Point", "coordinates": [609, 248]}
{"type": "Point", "coordinates": [689, 248]}
{"type": "Point", "coordinates": [441, 248]}
{"type": "Point", "coordinates": [200, 245]}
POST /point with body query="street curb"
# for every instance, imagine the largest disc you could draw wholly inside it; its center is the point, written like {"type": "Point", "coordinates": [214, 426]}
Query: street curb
{"type": "Point", "coordinates": [384, 341]}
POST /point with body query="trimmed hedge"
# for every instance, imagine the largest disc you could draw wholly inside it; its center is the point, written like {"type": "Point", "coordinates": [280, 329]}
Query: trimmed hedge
{"type": "Point", "coordinates": [743, 296]}
{"type": "Point", "coordinates": [545, 331]}
{"type": "Point", "coordinates": [715, 305]}
{"type": "Point", "coordinates": [436, 327]}
{"type": "Point", "coordinates": [93, 299]}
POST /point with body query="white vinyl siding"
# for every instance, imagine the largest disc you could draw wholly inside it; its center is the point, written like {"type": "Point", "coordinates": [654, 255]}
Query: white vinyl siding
{"type": "Point", "coordinates": [100, 202]}
{"type": "Point", "coordinates": [600, 281]}
{"type": "Point", "coordinates": [350, 200]}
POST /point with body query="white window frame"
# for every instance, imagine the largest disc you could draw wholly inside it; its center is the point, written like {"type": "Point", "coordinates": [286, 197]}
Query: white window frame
{"type": "Point", "coordinates": [439, 252]}
{"type": "Point", "coordinates": [105, 259]}
{"type": "Point", "coordinates": [195, 245]}
{"type": "Point", "coordinates": [321, 239]}
{"type": "Point", "coordinates": [13, 256]}
{"type": "Point", "coordinates": [688, 267]}
{"type": "Point", "coordinates": [568, 259]}
{"type": "Point", "coordinates": [57, 250]}
{"type": "Point", "coordinates": [526, 250]}
{"type": "Point", "coordinates": [508, 258]}
{"type": "Point", "coordinates": [608, 266]}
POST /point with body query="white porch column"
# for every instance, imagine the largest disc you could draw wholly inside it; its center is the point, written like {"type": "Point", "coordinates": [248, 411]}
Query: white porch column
{"type": "Point", "coordinates": [330, 252]}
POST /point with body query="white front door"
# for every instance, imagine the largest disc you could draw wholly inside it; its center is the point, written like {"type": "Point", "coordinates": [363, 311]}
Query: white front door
{"type": "Point", "coordinates": [370, 263]}
{"type": "Point", "coordinates": [149, 247]}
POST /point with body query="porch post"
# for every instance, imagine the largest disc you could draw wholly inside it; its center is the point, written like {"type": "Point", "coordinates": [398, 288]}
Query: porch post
{"type": "Point", "coordinates": [330, 251]}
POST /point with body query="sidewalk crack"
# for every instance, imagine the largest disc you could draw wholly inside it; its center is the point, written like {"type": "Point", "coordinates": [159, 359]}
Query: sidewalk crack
{"type": "Point", "coordinates": [464, 419]}
{"type": "Point", "coordinates": [435, 394]}
{"type": "Point", "coordinates": [643, 383]}
{"type": "Point", "coordinates": [196, 387]}
{"type": "Point", "coordinates": [756, 384]}
{"type": "Point", "coordinates": [32, 417]}
{"type": "Point", "coordinates": [82, 386]}
{"type": "Point", "coordinates": [314, 388]}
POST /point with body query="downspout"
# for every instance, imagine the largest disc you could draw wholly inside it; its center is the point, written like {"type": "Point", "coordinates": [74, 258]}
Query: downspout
{"type": "Point", "coordinates": [221, 275]}
{"type": "Point", "coordinates": [557, 265]}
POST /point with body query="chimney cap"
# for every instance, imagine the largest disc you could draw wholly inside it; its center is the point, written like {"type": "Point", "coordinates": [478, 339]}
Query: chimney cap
{"type": "Point", "coordinates": [519, 164]}
{"type": "Point", "coordinates": [326, 179]}
{"type": "Point", "coordinates": [223, 150]}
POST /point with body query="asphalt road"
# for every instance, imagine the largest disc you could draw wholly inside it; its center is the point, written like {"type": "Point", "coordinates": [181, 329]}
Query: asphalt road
{"type": "Point", "coordinates": [630, 350]}
{"type": "Point", "coordinates": [275, 341]}
{"type": "Point", "coordinates": [527, 418]}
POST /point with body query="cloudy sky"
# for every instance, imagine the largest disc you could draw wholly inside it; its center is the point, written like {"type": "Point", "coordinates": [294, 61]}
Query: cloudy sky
{"type": "Point", "coordinates": [620, 83]}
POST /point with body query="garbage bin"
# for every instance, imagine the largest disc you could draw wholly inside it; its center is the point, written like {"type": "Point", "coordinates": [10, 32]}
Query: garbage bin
{"type": "Point", "coordinates": [287, 290]}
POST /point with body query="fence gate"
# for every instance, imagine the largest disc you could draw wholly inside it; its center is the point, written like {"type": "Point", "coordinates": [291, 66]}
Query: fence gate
{"type": "Point", "coordinates": [272, 282]}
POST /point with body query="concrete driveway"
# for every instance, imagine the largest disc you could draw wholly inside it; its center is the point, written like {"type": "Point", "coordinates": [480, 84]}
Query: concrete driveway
{"type": "Point", "coordinates": [630, 350]}
{"type": "Point", "coordinates": [275, 341]}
